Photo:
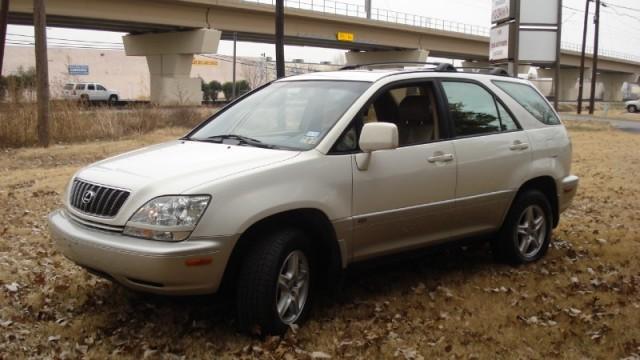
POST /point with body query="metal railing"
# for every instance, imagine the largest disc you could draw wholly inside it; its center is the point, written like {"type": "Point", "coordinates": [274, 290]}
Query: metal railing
{"type": "Point", "coordinates": [355, 10]}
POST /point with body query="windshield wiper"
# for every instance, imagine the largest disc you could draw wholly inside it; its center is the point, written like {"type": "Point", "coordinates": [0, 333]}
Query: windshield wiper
{"type": "Point", "coordinates": [245, 140]}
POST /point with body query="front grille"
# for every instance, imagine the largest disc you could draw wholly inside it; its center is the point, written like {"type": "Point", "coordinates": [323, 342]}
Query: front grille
{"type": "Point", "coordinates": [96, 199]}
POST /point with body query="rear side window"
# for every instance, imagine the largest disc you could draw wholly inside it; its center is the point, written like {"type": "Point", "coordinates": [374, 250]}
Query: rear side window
{"type": "Point", "coordinates": [531, 100]}
{"type": "Point", "coordinates": [473, 109]}
{"type": "Point", "coordinates": [91, 87]}
{"type": "Point", "coordinates": [80, 87]}
{"type": "Point", "coordinates": [68, 87]}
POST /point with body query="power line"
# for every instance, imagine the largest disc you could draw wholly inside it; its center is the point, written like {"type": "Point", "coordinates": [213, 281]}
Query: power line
{"type": "Point", "coordinates": [623, 7]}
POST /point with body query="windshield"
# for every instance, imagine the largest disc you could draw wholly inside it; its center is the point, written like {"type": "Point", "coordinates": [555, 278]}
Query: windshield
{"type": "Point", "coordinates": [292, 115]}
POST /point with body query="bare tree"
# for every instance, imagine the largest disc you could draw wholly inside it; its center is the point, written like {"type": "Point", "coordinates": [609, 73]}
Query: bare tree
{"type": "Point", "coordinates": [256, 73]}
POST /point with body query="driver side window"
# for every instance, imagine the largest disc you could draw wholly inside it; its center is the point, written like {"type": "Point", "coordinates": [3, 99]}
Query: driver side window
{"type": "Point", "coordinates": [412, 108]}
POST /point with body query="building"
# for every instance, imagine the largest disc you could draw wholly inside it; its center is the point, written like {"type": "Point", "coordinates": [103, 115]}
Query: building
{"type": "Point", "coordinates": [129, 75]}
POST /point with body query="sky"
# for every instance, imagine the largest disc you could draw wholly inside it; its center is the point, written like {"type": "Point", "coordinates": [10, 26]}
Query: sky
{"type": "Point", "coordinates": [620, 27]}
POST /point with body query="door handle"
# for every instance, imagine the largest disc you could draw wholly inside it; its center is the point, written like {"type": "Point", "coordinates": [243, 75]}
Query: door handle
{"type": "Point", "coordinates": [440, 157]}
{"type": "Point", "coordinates": [519, 145]}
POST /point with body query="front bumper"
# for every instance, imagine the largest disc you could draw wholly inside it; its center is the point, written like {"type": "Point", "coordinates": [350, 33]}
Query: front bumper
{"type": "Point", "coordinates": [145, 265]}
{"type": "Point", "coordinates": [567, 191]}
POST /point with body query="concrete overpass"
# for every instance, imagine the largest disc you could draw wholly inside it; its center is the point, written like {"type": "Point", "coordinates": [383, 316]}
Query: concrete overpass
{"type": "Point", "coordinates": [255, 22]}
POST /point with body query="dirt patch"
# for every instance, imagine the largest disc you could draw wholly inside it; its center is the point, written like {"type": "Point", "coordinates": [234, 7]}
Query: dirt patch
{"type": "Point", "coordinates": [581, 301]}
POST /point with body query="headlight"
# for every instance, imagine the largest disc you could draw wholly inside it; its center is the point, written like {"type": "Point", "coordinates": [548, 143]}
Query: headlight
{"type": "Point", "coordinates": [167, 218]}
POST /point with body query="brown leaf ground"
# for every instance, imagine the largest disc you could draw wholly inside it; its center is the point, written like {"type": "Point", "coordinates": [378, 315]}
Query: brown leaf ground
{"type": "Point", "coordinates": [582, 301]}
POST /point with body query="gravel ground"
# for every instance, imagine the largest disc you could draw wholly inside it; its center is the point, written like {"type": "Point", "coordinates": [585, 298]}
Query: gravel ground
{"type": "Point", "coordinates": [581, 301]}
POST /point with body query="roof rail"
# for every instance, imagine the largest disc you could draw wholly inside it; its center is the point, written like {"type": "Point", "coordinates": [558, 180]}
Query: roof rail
{"type": "Point", "coordinates": [436, 67]}
{"type": "Point", "coordinates": [493, 70]}
{"type": "Point", "coordinates": [389, 63]}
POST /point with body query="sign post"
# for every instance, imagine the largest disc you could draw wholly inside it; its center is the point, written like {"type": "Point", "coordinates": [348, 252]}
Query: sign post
{"type": "Point", "coordinates": [527, 32]}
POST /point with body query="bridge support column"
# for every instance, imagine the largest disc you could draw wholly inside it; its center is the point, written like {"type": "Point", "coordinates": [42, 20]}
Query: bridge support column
{"type": "Point", "coordinates": [568, 83]}
{"type": "Point", "coordinates": [170, 57]}
{"type": "Point", "coordinates": [370, 57]}
{"type": "Point", "coordinates": [613, 85]}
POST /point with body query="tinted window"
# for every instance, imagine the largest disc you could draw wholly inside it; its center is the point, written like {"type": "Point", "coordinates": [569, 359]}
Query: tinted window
{"type": "Point", "coordinates": [473, 109]}
{"type": "Point", "coordinates": [80, 87]}
{"type": "Point", "coordinates": [531, 100]}
{"type": "Point", "coordinates": [91, 87]}
{"type": "Point", "coordinates": [68, 87]}
{"type": "Point", "coordinates": [101, 88]}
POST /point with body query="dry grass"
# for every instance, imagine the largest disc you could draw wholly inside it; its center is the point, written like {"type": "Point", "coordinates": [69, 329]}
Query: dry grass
{"type": "Point", "coordinates": [72, 123]}
{"type": "Point", "coordinates": [582, 301]}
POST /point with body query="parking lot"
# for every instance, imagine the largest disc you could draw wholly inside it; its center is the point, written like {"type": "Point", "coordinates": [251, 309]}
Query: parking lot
{"type": "Point", "coordinates": [581, 301]}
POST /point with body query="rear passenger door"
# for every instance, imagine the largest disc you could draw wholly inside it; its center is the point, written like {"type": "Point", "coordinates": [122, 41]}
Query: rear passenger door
{"type": "Point", "coordinates": [493, 155]}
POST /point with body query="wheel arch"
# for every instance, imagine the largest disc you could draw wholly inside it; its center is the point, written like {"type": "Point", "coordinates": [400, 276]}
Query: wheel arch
{"type": "Point", "coordinates": [311, 221]}
{"type": "Point", "coordinates": [547, 185]}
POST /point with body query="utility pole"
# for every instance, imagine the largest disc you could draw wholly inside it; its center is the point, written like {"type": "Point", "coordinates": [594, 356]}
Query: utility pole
{"type": "Point", "coordinates": [594, 70]}
{"type": "Point", "coordinates": [4, 19]}
{"type": "Point", "coordinates": [367, 8]}
{"type": "Point", "coordinates": [42, 71]}
{"type": "Point", "coordinates": [582, 56]}
{"type": "Point", "coordinates": [233, 88]}
{"type": "Point", "coordinates": [280, 72]}
{"type": "Point", "coordinates": [556, 87]}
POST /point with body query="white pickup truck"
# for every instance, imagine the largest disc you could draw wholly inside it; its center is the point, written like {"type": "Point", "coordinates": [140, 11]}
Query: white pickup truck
{"type": "Point", "coordinates": [89, 92]}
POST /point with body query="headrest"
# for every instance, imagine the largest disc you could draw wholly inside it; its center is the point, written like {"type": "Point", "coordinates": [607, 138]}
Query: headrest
{"type": "Point", "coordinates": [414, 110]}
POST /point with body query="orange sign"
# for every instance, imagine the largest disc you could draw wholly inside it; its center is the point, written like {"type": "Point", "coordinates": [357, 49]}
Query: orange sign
{"type": "Point", "coordinates": [345, 36]}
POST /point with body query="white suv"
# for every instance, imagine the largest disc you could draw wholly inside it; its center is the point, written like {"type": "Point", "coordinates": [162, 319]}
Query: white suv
{"type": "Point", "coordinates": [89, 92]}
{"type": "Point", "coordinates": [286, 187]}
{"type": "Point", "coordinates": [632, 105]}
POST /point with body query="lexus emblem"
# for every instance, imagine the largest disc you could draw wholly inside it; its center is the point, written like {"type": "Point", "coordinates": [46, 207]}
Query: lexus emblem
{"type": "Point", "coordinates": [88, 196]}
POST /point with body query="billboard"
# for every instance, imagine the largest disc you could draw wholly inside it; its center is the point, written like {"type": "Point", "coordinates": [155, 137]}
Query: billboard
{"type": "Point", "coordinates": [502, 10]}
{"type": "Point", "coordinates": [537, 12]}
{"type": "Point", "coordinates": [501, 42]}
{"type": "Point", "coordinates": [537, 46]}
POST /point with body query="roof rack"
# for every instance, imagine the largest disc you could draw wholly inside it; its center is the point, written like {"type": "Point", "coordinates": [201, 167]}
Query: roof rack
{"type": "Point", "coordinates": [436, 67]}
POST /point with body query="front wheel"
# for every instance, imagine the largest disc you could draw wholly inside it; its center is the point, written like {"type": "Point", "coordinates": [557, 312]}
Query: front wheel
{"type": "Point", "coordinates": [274, 287]}
{"type": "Point", "coordinates": [526, 232]}
{"type": "Point", "coordinates": [632, 108]}
{"type": "Point", "coordinates": [112, 100]}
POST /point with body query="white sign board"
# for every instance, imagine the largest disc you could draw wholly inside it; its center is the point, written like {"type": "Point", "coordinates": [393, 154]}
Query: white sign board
{"type": "Point", "coordinates": [537, 46]}
{"type": "Point", "coordinates": [499, 42]}
{"type": "Point", "coordinates": [539, 12]}
{"type": "Point", "coordinates": [500, 10]}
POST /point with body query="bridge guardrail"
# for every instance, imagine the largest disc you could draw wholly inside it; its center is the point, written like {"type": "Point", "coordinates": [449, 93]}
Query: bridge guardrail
{"type": "Point", "coordinates": [334, 7]}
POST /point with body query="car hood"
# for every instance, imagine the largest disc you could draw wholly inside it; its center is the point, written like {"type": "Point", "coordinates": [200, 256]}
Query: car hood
{"type": "Point", "coordinates": [175, 167]}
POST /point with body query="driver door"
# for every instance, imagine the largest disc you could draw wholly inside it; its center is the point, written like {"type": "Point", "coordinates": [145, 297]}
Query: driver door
{"type": "Point", "coordinates": [404, 198]}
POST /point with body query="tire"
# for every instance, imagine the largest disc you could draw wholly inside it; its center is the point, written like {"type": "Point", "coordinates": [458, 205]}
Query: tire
{"type": "Point", "coordinates": [632, 108]}
{"type": "Point", "coordinates": [84, 100]}
{"type": "Point", "coordinates": [259, 289]}
{"type": "Point", "coordinates": [112, 100]}
{"type": "Point", "coordinates": [521, 240]}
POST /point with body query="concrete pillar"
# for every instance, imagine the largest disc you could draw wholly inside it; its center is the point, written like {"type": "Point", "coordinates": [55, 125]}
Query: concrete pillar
{"type": "Point", "coordinates": [613, 84]}
{"type": "Point", "coordinates": [568, 82]}
{"type": "Point", "coordinates": [170, 57]}
{"type": "Point", "coordinates": [370, 57]}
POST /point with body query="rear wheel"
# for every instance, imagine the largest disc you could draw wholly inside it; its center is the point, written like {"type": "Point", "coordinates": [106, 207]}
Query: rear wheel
{"type": "Point", "coordinates": [274, 287]}
{"type": "Point", "coordinates": [84, 100]}
{"type": "Point", "coordinates": [632, 108]}
{"type": "Point", "coordinates": [526, 232]}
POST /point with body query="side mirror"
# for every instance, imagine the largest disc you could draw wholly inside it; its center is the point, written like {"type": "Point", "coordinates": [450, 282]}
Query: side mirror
{"type": "Point", "coordinates": [378, 136]}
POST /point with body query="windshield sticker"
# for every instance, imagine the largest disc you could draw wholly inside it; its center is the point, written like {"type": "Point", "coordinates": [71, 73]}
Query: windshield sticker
{"type": "Point", "coordinates": [310, 138]}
